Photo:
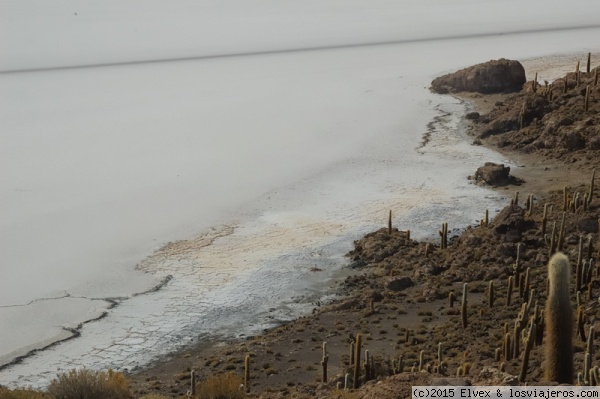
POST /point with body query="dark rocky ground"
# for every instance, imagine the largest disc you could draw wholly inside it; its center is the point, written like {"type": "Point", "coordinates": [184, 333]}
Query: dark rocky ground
{"type": "Point", "coordinates": [398, 299]}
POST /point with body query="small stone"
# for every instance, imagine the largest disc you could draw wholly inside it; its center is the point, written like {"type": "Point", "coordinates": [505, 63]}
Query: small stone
{"type": "Point", "coordinates": [473, 116]}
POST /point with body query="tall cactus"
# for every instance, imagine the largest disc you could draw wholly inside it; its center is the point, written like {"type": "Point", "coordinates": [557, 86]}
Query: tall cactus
{"type": "Point", "coordinates": [491, 294]}
{"type": "Point", "coordinates": [509, 291]}
{"type": "Point", "coordinates": [589, 64]}
{"type": "Point", "coordinates": [192, 383]}
{"type": "Point", "coordinates": [324, 361]}
{"type": "Point", "coordinates": [247, 373]}
{"type": "Point", "coordinates": [559, 321]}
{"type": "Point", "coordinates": [357, 350]}
{"type": "Point", "coordinates": [528, 346]}
{"type": "Point", "coordinates": [591, 192]}
{"type": "Point", "coordinates": [463, 307]}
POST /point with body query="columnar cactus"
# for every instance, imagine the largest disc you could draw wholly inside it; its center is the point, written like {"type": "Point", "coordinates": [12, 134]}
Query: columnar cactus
{"type": "Point", "coordinates": [589, 63]}
{"type": "Point", "coordinates": [590, 341]}
{"type": "Point", "coordinates": [581, 317]}
{"type": "Point", "coordinates": [587, 366]}
{"type": "Point", "coordinates": [444, 236]}
{"type": "Point", "coordinates": [401, 364]}
{"type": "Point", "coordinates": [357, 351]}
{"type": "Point", "coordinates": [544, 219]}
{"type": "Point", "coordinates": [510, 288]}
{"type": "Point", "coordinates": [558, 320]}
{"type": "Point", "coordinates": [553, 240]}
{"type": "Point", "coordinates": [579, 266]}
{"type": "Point", "coordinates": [529, 205]}
{"type": "Point", "coordinates": [463, 307]}
{"type": "Point", "coordinates": [517, 268]}
{"type": "Point", "coordinates": [525, 285]}
{"type": "Point", "coordinates": [516, 341]}
{"type": "Point", "coordinates": [367, 366]}
{"type": "Point", "coordinates": [528, 346]}
{"type": "Point", "coordinates": [324, 361]}
{"type": "Point", "coordinates": [507, 345]}
{"type": "Point", "coordinates": [192, 383]}
{"type": "Point", "coordinates": [591, 192]}
{"type": "Point", "coordinates": [561, 233]}
{"type": "Point", "coordinates": [247, 373]}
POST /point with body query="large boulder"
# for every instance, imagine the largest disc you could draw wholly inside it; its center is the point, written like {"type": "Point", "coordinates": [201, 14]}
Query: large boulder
{"type": "Point", "coordinates": [496, 76]}
{"type": "Point", "coordinates": [493, 174]}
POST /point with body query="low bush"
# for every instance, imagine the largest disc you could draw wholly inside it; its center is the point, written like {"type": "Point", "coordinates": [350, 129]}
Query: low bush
{"type": "Point", "coordinates": [6, 393]}
{"type": "Point", "coordinates": [87, 384]}
{"type": "Point", "coordinates": [221, 386]}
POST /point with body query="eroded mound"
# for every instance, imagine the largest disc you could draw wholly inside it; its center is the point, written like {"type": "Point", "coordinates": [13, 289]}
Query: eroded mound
{"type": "Point", "coordinates": [496, 76]}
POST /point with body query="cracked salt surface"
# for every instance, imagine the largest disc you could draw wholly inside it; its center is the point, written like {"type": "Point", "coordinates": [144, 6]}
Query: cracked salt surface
{"type": "Point", "coordinates": [311, 224]}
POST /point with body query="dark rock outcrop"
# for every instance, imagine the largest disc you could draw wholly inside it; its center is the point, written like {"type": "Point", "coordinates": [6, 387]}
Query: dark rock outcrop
{"type": "Point", "coordinates": [511, 222]}
{"type": "Point", "coordinates": [496, 76]}
{"type": "Point", "coordinates": [398, 283]}
{"type": "Point", "coordinates": [492, 173]}
{"type": "Point", "coordinates": [495, 175]}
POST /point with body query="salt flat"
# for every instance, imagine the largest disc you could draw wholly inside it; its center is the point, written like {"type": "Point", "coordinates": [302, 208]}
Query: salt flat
{"type": "Point", "coordinates": [264, 164]}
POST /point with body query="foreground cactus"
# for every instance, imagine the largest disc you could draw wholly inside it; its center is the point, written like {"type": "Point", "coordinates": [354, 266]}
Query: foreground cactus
{"type": "Point", "coordinates": [559, 321]}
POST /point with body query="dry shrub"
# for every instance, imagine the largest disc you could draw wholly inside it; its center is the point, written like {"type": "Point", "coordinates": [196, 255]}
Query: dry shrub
{"type": "Point", "coordinates": [222, 386]}
{"type": "Point", "coordinates": [87, 384]}
{"type": "Point", "coordinates": [344, 394]}
{"type": "Point", "coordinates": [6, 393]}
{"type": "Point", "coordinates": [154, 396]}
